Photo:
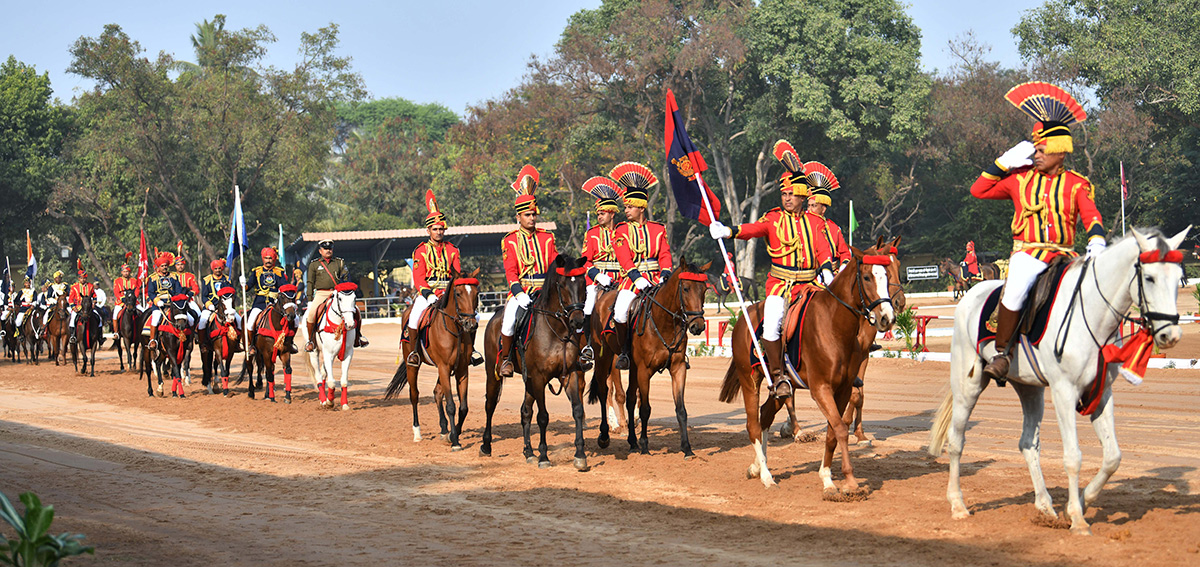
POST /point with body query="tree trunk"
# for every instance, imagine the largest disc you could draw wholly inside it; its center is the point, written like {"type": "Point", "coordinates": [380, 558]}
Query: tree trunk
{"type": "Point", "coordinates": [106, 280]}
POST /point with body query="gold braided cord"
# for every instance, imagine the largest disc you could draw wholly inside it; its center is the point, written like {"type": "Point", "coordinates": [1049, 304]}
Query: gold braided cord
{"type": "Point", "coordinates": [788, 245]}
{"type": "Point", "coordinates": [527, 254]}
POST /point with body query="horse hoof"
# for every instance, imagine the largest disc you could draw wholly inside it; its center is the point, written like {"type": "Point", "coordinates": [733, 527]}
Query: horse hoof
{"type": "Point", "coordinates": [531, 460]}
{"type": "Point", "coordinates": [272, 400]}
{"type": "Point", "coordinates": [181, 396]}
{"type": "Point", "coordinates": [416, 435]}
{"type": "Point", "coordinates": [455, 448]}
{"type": "Point", "coordinates": [174, 395]}
{"type": "Point", "coordinates": [444, 436]}
{"type": "Point", "coordinates": [1081, 530]}
{"type": "Point", "coordinates": [689, 456]}
{"type": "Point", "coordinates": [545, 464]}
{"type": "Point", "coordinates": [287, 400]}
{"type": "Point", "coordinates": [345, 407]}
{"type": "Point", "coordinates": [603, 442]}
{"type": "Point", "coordinates": [485, 452]}
{"type": "Point", "coordinates": [581, 465]}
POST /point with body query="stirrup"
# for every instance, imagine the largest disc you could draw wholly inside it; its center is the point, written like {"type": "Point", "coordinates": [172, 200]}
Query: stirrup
{"type": "Point", "coordinates": [414, 359]}
{"type": "Point", "coordinates": [506, 368]}
{"type": "Point", "coordinates": [782, 389]}
{"type": "Point", "coordinates": [361, 341]}
{"type": "Point", "coordinates": [623, 361]}
{"type": "Point", "coordinates": [309, 346]}
{"type": "Point", "coordinates": [476, 358]}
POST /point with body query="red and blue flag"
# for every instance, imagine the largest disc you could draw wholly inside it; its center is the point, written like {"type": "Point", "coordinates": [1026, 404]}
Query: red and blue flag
{"type": "Point", "coordinates": [684, 163]}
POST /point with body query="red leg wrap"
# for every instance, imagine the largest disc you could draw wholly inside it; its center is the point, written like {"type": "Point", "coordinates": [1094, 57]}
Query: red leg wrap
{"type": "Point", "coordinates": [321, 392]}
{"type": "Point", "coordinates": [270, 389]}
{"type": "Point", "coordinates": [287, 382]}
{"type": "Point", "coordinates": [344, 395]}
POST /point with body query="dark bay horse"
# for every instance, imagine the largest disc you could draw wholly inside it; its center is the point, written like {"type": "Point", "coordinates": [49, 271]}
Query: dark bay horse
{"type": "Point", "coordinates": [451, 332]}
{"type": "Point", "coordinates": [661, 319]}
{"type": "Point", "coordinates": [89, 334]}
{"type": "Point", "coordinates": [127, 330]}
{"type": "Point", "coordinates": [167, 351]}
{"type": "Point", "coordinates": [606, 370]}
{"type": "Point", "coordinates": [552, 351]}
{"type": "Point", "coordinates": [31, 333]}
{"type": "Point", "coordinates": [57, 329]}
{"type": "Point", "coordinates": [219, 341]}
{"type": "Point", "coordinates": [987, 271]}
{"type": "Point", "coordinates": [830, 342]}
{"type": "Point", "coordinates": [273, 335]}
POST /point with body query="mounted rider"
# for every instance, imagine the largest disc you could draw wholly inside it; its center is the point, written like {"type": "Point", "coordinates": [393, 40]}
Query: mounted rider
{"type": "Point", "coordinates": [1048, 201]}
{"type": "Point", "coordinates": [81, 289]}
{"type": "Point", "coordinates": [23, 302]}
{"type": "Point", "coordinates": [528, 253]}
{"type": "Point", "coordinates": [641, 246]}
{"type": "Point", "coordinates": [187, 281]}
{"type": "Point", "coordinates": [160, 288]}
{"type": "Point", "coordinates": [264, 282]}
{"type": "Point", "coordinates": [603, 268]}
{"type": "Point", "coordinates": [800, 254]}
{"type": "Point", "coordinates": [58, 288]}
{"type": "Point", "coordinates": [122, 283]}
{"type": "Point", "coordinates": [324, 275]}
{"type": "Point", "coordinates": [821, 182]}
{"type": "Point", "coordinates": [970, 264]}
{"type": "Point", "coordinates": [435, 261]}
{"type": "Point", "coordinates": [211, 296]}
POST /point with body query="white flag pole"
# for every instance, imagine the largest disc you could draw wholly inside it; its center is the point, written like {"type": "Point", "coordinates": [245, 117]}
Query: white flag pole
{"type": "Point", "coordinates": [1122, 198]}
{"type": "Point", "coordinates": [239, 235]}
{"type": "Point", "coordinates": [735, 283]}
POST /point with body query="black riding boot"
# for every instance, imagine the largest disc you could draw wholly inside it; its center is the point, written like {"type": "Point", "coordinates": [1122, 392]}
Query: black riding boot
{"type": "Point", "coordinates": [505, 367]}
{"type": "Point", "coordinates": [1006, 329]}
{"type": "Point", "coordinates": [781, 386]}
{"type": "Point", "coordinates": [623, 358]}
{"type": "Point", "coordinates": [587, 358]}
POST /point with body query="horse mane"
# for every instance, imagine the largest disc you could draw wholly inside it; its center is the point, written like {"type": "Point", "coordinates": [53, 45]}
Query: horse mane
{"type": "Point", "coordinates": [552, 276]}
{"type": "Point", "coordinates": [1149, 233]}
{"type": "Point", "coordinates": [444, 301]}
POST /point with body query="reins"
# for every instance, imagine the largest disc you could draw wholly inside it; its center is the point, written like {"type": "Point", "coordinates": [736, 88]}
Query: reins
{"type": "Point", "coordinates": [680, 319]}
{"type": "Point", "coordinates": [563, 315]}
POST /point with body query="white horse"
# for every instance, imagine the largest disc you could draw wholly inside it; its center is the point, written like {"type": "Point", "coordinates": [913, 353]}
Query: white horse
{"type": "Point", "coordinates": [336, 330]}
{"type": "Point", "coordinates": [1086, 315]}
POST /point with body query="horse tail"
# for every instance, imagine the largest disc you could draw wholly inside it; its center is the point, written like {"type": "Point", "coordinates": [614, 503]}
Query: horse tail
{"type": "Point", "coordinates": [245, 370]}
{"type": "Point", "coordinates": [941, 425]}
{"type": "Point", "coordinates": [732, 384]}
{"type": "Point", "coordinates": [399, 381]}
{"type": "Point", "coordinates": [594, 388]}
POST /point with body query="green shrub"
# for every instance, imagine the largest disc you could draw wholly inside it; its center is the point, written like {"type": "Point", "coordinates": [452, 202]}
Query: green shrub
{"type": "Point", "coordinates": [33, 546]}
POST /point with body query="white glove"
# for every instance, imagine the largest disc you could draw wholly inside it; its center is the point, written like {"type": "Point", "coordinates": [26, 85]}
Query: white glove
{"type": "Point", "coordinates": [1016, 157]}
{"type": "Point", "coordinates": [523, 300]}
{"type": "Point", "coordinates": [1095, 246]}
{"type": "Point", "coordinates": [826, 277]}
{"type": "Point", "coordinates": [719, 231]}
{"type": "Point", "coordinates": [242, 280]}
{"type": "Point", "coordinates": [604, 279]}
{"type": "Point", "coordinates": [641, 283]}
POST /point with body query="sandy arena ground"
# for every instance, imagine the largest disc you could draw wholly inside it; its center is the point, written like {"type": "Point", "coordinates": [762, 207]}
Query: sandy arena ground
{"type": "Point", "coordinates": [232, 481]}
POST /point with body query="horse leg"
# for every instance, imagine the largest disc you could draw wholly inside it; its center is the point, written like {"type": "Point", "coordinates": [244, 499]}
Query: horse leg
{"type": "Point", "coordinates": [766, 416]}
{"type": "Point", "coordinates": [575, 395]}
{"type": "Point", "coordinates": [1033, 407]}
{"type": "Point", "coordinates": [791, 427]}
{"type": "Point", "coordinates": [414, 396]}
{"type": "Point", "coordinates": [444, 400]}
{"type": "Point", "coordinates": [837, 437]}
{"type": "Point", "coordinates": [678, 382]}
{"type": "Point", "coordinates": [1065, 398]}
{"type": "Point", "coordinates": [965, 393]}
{"type": "Point", "coordinates": [855, 408]}
{"type": "Point", "coordinates": [526, 420]}
{"type": "Point", "coordinates": [346, 375]}
{"type": "Point", "coordinates": [758, 468]}
{"type": "Point", "coordinates": [543, 420]}
{"type": "Point", "coordinates": [120, 353]}
{"type": "Point", "coordinates": [603, 393]}
{"type": "Point", "coordinates": [1102, 423]}
{"type": "Point", "coordinates": [455, 443]}
{"type": "Point", "coordinates": [491, 397]}
{"type": "Point", "coordinates": [643, 382]}
{"type": "Point", "coordinates": [630, 405]}
{"type": "Point", "coordinates": [617, 414]}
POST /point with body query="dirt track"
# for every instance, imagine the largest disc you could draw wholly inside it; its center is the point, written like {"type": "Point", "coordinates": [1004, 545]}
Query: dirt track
{"type": "Point", "coordinates": [210, 480]}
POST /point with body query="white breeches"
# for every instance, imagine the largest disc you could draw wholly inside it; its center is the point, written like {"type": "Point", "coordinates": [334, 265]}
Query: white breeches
{"type": "Point", "coordinates": [508, 325]}
{"type": "Point", "coordinates": [117, 311]}
{"type": "Point", "coordinates": [1023, 270]}
{"type": "Point", "coordinates": [621, 305]}
{"type": "Point", "coordinates": [590, 303]}
{"type": "Point", "coordinates": [774, 309]}
{"type": "Point", "coordinates": [252, 318]}
{"type": "Point", "coordinates": [46, 317]}
{"type": "Point", "coordinates": [205, 315]}
{"type": "Point", "coordinates": [156, 318]}
{"type": "Point", "coordinates": [20, 318]}
{"type": "Point", "coordinates": [419, 305]}
{"type": "Point", "coordinates": [71, 321]}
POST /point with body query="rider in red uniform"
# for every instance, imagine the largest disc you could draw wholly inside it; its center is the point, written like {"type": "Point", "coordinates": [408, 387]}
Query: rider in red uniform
{"type": "Point", "coordinates": [821, 181]}
{"type": "Point", "coordinates": [528, 253]}
{"type": "Point", "coordinates": [81, 289]}
{"type": "Point", "coordinates": [125, 282]}
{"type": "Point", "coordinates": [603, 268]}
{"type": "Point", "coordinates": [435, 261]}
{"type": "Point", "coordinates": [970, 264]}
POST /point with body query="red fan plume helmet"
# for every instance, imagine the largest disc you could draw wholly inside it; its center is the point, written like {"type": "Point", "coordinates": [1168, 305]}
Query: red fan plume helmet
{"type": "Point", "coordinates": [821, 182]}
{"type": "Point", "coordinates": [525, 186]}
{"type": "Point", "coordinates": [636, 180]}
{"type": "Point", "coordinates": [1055, 111]}
{"type": "Point", "coordinates": [435, 217]}
{"type": "Point", "coordinates": [793, 180]}
{"type": "Point", "coordinates": [605, 192]}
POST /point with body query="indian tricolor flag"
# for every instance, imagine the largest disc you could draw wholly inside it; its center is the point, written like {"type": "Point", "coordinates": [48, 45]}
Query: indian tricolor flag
{"type": "Point", "coordinates": [31, 270]}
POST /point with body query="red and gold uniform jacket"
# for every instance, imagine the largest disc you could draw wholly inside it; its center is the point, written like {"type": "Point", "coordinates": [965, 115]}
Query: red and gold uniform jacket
{"type": "Point", "coordinates": [796, 244]}
{"type": "Point", "coordinates": [187, 281]}
{"type": "Point", "coordinates": [120, 284]}
{"type": "Point", "coordinates": [600, 254]}
{"type": "Point", "coordinates": [1046, 208]}
{"type": "Point", "coordinates": [972, 263]}
{"type": "Point", "coordinates": [837, 243]}
{"type": "Point", "coordinates": [79, 291]}
{"type": "Point", "coordinates": [643, 251]}
{"type": "Point", "coordinates": [433, 265]}
{"type": "Point", "coordinates": [527, 256]}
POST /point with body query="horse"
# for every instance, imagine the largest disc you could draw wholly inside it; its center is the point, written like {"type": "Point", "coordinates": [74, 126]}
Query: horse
{"type": "Point", "coordinates": [866, 338]}
{"type": "Point", "coordinates": [273, 336]}
{"type": "Point", "coordinates": [172, 343]}
{"type": "Point", "coordinates": [57, 329]}
{"type": "Point", "coordinates": [89, 334]}
{"type": "Point", "coordinates": [554, 339]}
{"type": "Point", "coordinates": [1090, 305]}
{"type": "Point", "coordinates": [219, 341]}
{"type": "Point", "coordinates": [31, 334]}
{"type": "Point", "coordinates": [336, 332]}
{"type": "Point", "coordinates": [8, 332]}
{"type": "Point", "coordinates": [830, 345]}
{"type": "Point", "coordinates": [718, 284]}
{"type": "Point", "coordinates": [614, 420]}
{"type": "Point", "coordinates": [987, 271]}
{"type": "Point", "coordinates": [127, 330]}
{"type": "Point", "coordinates": [451, 331]}
{"type": "Point", "coordinates": [671, 310]}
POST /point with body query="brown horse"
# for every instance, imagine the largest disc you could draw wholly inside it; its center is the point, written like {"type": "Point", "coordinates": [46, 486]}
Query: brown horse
{"type": "Point", "coordinates": [89, 335]}
{"type": "Point", "coordinates": [272, 336]}
{"type": "Point", "coordinates": [829, 343]}
{"type": "Point", "coordinates": [451, 333]}
{"type": "Point", "coordinates": [659, 322]}
{"type": "Point", "coordinates": [57, 329]}
{"type": "Point", "coordinates": [127, 330]}
{"type": "Point", "coordinates": [605, 368]}
{"type": "Point", "coordinates": [866, 338]}
{"type": "Point", "coordinates": [31, 334]}
{"type": "Point", "coordinates": [219, 341]}
{"type": "Point", "coordinates": [168, 349]}
{"type": "Point", "coordinates": [987, 271]}
{"type": "Point", "coordinates": [555, 330]}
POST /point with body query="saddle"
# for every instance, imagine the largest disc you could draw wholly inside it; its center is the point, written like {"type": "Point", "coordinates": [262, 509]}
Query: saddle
{"type": "Point", "coordinates": [1037, 309]}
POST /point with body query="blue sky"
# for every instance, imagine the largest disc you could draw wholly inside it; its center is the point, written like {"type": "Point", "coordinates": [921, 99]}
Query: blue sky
{"type": "Point", "coordinates": [455, 52]}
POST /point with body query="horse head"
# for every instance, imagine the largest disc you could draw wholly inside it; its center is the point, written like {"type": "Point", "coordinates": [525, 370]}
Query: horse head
{"type": "Point", "coordinates": [60, 306]}
{"type": "Point", "coordinates": [129, 298]}
{"type": "Point", "coordinates": [178, 310]}
{"type": "Point", "coordinates": [872, 278]}
{"type": "Point", "coordinates": [565, 281]}
{"type": "Point", "coordinates": [462, 296]}
{"type": "Point", "coordinates": [885, 248]}
{"type": "Point", "coordinates": [285, 303]}
{"type": "Point", "coordinates": [690, 287]}
{"type": "Point", "coordinates": [86, 308]}
{"type": "Point", "coordinates": [1155, 284]}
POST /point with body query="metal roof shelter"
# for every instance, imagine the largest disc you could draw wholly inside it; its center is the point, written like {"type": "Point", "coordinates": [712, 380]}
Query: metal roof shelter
{"type": "Point", "coordinates": [375, 246]}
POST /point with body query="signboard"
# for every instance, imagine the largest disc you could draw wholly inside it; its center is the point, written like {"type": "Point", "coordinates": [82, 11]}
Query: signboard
{"type": "Point", "coordinates": [921, 273]}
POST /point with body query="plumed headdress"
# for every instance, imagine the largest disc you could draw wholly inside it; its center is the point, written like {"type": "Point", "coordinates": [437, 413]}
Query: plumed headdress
{"type": "Point", "coordinates": [163, 258]}
{"type": "Point", "coordinates": [525, 186]}
{"type": "Point", "coordinates": [793, 180]}
{"type": "Point", "coordinates": [435, 217]}
{"type": "Point", "coordinates": [1053, 108]}
{"type": "Point", "coordinates": [128, 257]}
{"type": "Point", "coordinates": [79, 265]}
{"type": "Point", "coordinates": [821, 182]}
{"type": "Point", "coordinates": [636, 180]}
{"type": "Point", "coordinates": [605, 192]}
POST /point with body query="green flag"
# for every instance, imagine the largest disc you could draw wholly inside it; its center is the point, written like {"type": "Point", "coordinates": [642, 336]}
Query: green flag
{"type": "Point", "coordinates": [853, 223]}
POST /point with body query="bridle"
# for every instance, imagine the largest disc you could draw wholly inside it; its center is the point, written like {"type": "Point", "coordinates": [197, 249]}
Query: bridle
{"type": "Point", "coordinates": [459, 319]}
{"type": "Point", "coordinates": [680, 319]}
{"type": "Point", "coordinates": [563, 316]}
{"type": "Point", "coordinates": [866, 308]}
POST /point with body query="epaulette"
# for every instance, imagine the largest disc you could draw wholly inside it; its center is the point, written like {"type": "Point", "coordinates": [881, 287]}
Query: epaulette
{"type": "Point", "coordinates": [1080, 175]}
